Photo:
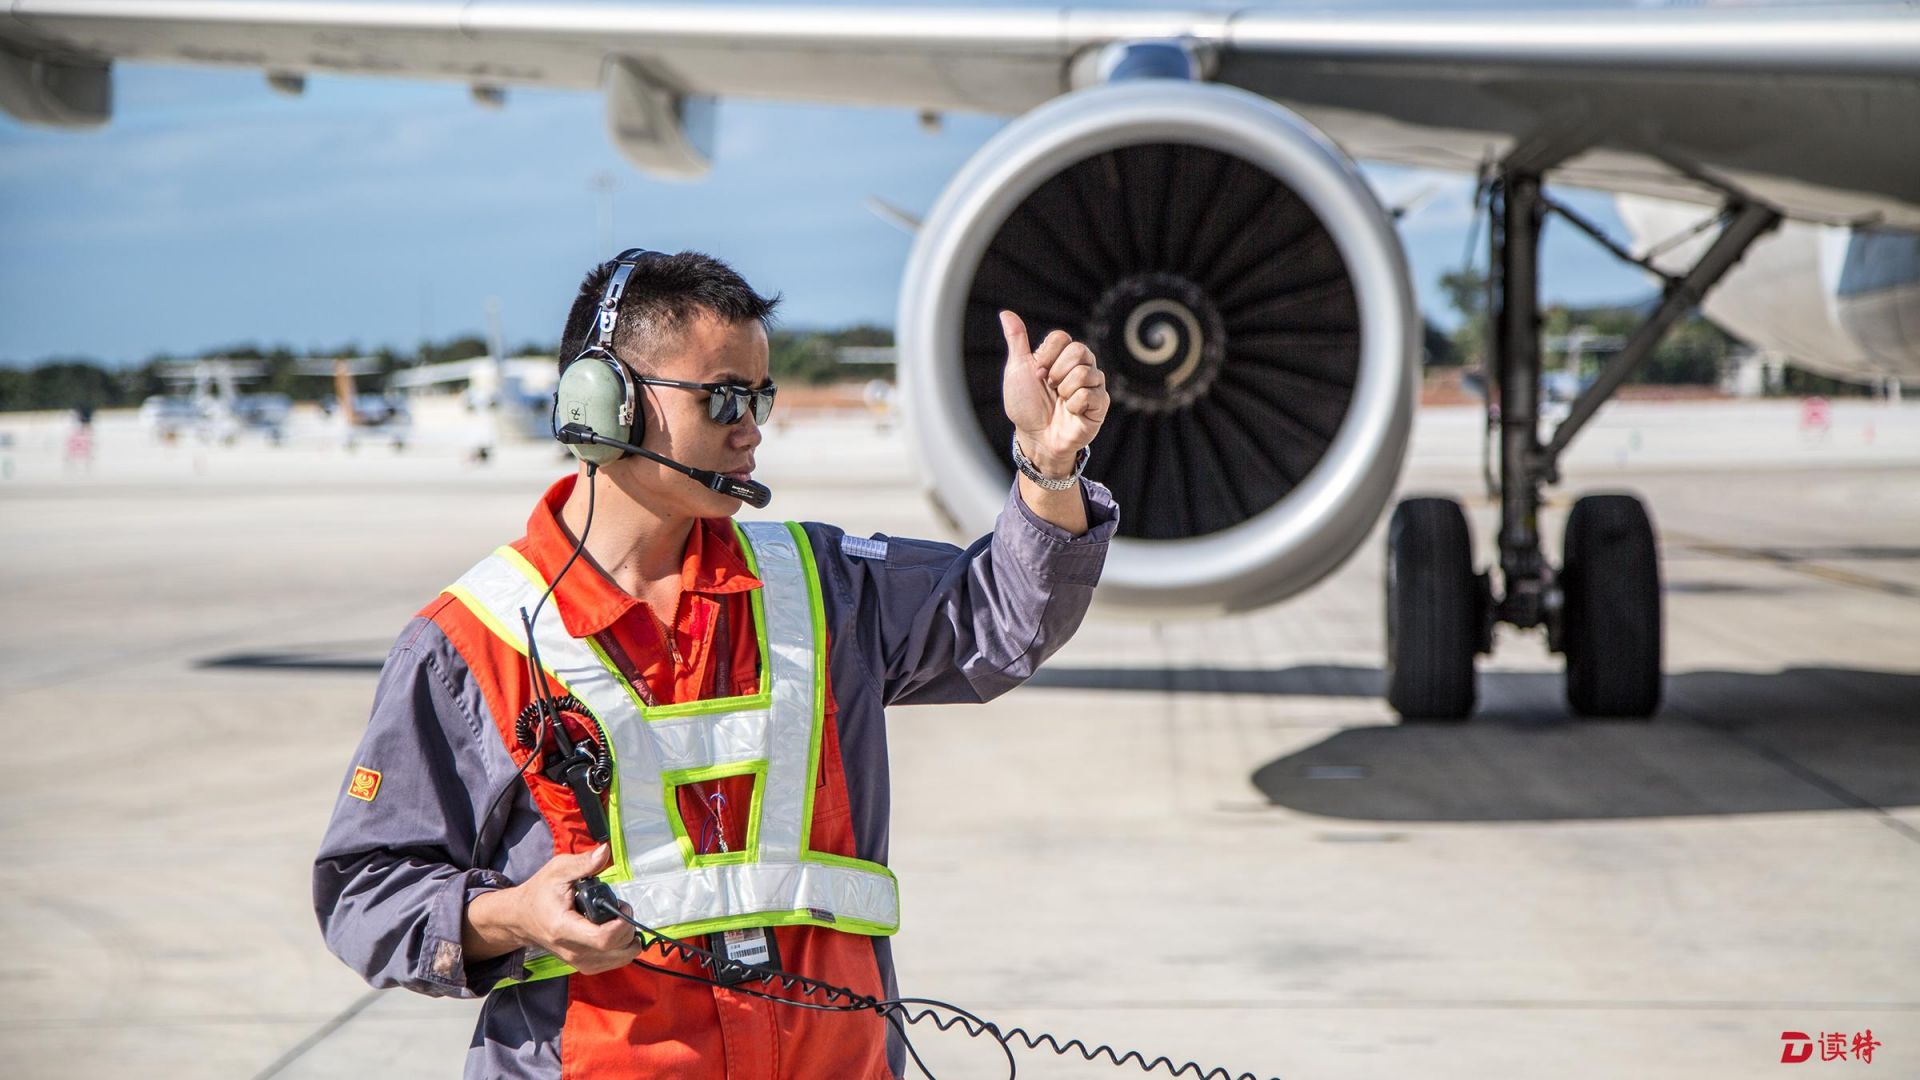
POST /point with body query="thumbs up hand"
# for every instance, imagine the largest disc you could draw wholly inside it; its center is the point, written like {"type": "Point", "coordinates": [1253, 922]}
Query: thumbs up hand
{"type": "Point", "coordinates": [1056, 396]}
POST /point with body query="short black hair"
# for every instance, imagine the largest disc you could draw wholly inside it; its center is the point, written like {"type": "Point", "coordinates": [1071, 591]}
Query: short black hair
{"type": "Point", "coordinates": [663, 292]}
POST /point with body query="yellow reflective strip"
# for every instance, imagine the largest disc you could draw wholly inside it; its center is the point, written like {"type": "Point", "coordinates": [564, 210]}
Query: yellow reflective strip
{"type": "Point", "coordinates": [481, 612]}
{"type": "Point", "coordinates": [679, 826]}
{"type": "Point", "coordinates": [815, 599]}
{"type": "Point", "coordinates": [538, 968]}
{"type": "Point", "coordinates": [616, 835]}
{"type": "Point", "coordinates": [802, 917]}
{"type": "Point", "coordinates": [759, 699]}
{"type": "Point", "coordinates": [549, 967]}
{"type": "Point", "coordinates": [746, 548]}
{"type": "Point", "coordinates": [619, 871]}
{"type": "Point", "coordinates": [687, 708]}
{"type": "Point", "coordinates": [750, 852]}
{"type": "Point", "coordinates": [613, 669]}
{"type": "Point", "coordinates": [851, 863]}
{"type": "Point", "coordinates": [757, 599]}
{"type": "Point", "coordinates": [817, 729]}
{"type": "Point", "coordinates": [519, 562]}
{"type": "Point", "coordinates": [710, 705]}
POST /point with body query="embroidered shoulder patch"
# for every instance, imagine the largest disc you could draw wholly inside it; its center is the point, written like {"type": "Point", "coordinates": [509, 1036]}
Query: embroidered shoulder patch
{"type": "Point", "coordinates": [365, 785]}
{"type": "Point", "coordinates": [860, 547]}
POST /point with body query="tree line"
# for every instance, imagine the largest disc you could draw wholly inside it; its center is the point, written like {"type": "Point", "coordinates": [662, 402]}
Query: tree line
{"type": "Point", "coordinates": [1693, 353]}
{"type": "Point", "coordinates": [796, 356]}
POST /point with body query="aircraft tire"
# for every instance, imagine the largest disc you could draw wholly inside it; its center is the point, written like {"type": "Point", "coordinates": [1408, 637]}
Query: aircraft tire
{"type": "Point", "coordinates": [1435, 611]}
{"type": "Point", "coordinates": [1611, 621]}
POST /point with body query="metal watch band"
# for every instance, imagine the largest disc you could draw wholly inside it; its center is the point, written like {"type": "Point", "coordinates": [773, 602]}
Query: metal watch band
{"type": "Point", "coordinates": [1027, 469]}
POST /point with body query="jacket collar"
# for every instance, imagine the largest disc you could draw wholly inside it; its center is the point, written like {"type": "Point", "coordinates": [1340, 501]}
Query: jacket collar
{"type": "Point", "coordinates": [589, 602]}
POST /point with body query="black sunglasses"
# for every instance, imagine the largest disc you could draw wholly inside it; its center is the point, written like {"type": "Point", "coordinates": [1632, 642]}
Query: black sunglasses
{"type": "Point", "coordinates": [726, 402]}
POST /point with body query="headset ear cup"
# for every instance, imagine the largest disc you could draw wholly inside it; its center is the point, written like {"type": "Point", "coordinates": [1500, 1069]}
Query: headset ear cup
{"type": "Point", "coordinates": [592, 392]}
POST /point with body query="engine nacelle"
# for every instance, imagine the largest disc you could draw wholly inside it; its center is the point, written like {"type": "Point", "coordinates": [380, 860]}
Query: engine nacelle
{"type": "Point", "coordinates": [50, 91]}
{"type": "Point", "coordinates": [1245, 294]}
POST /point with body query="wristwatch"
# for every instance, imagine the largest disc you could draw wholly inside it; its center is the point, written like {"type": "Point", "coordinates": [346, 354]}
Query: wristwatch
{"type": "Point", "coordinates": [1027, 470]}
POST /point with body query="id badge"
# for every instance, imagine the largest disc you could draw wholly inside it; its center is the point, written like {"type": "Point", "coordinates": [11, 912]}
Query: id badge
{"type": "Point", "coordinates": [752, 946]}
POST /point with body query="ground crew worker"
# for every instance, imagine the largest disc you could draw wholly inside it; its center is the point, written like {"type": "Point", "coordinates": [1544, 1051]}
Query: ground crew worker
{"type": "Point", "coordinates": [727, 682]}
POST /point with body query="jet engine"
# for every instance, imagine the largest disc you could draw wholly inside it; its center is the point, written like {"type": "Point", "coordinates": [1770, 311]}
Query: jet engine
{"type": "Point", "coordinates": [1247, 298]}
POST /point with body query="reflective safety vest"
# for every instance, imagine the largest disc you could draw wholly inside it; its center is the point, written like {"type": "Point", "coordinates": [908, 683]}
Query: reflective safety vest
{"type": "Point", "coordinates": [774, 736]}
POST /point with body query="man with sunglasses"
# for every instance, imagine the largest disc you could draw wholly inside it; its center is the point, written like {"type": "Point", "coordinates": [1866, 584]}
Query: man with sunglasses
{"type": "Point", "coordinates": [421, 883]}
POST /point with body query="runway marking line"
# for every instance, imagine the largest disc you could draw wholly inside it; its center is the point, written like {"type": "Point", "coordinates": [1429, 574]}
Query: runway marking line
{"type": "Point", "coordinates": [1796, 564]}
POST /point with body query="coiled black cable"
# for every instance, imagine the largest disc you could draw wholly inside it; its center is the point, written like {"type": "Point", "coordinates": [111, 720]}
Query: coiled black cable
{"type": "Point", "coordinates": [528, 725]}
{"type": "Point", "coordinates": [898, 1012]}
{"type": "Point", "coordinates": [542, 695]}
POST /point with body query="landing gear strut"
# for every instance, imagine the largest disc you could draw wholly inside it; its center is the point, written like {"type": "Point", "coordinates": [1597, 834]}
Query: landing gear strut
{"type": "Point", "coordinates": [1601, 609]}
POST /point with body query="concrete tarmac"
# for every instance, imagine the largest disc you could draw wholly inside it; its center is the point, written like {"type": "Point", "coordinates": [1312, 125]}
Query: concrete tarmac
{"type": "Point", "coordinates": [1205, 839]}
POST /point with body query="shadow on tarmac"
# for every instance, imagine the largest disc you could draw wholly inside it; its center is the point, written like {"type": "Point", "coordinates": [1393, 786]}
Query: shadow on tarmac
{"type": "Point", "coordinates": [1811, 738]}
{"type": "Point", "coordinates": [1725, 742]}
{"type": "Point", "coordinates": [343, 658]}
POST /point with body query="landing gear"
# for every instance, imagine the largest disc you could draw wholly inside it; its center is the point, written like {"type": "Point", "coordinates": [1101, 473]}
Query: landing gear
{"type": "Point", "coordinates": [1610, 614]}
{"type": "Point", "coordinates": [1602, 608]}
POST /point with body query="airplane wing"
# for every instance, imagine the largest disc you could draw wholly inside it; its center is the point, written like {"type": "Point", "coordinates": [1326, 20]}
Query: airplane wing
{"type": "Point", "coordinates": [1768, 98]}
{"type": "Point", "coordinates": [440, 374]}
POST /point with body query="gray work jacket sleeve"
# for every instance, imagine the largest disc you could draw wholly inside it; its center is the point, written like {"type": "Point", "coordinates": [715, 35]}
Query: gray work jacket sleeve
{"type": "Point", "coordinates": [953, 625]}
{"type": "Point", "coordinates": [390, 883]}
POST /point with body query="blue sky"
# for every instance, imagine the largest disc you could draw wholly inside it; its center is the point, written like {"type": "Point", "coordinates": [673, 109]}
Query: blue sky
{"type": "Point", "coordinates": [212, 211]}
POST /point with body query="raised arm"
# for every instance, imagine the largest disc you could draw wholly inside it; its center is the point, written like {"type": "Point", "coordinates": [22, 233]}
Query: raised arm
{"type": "Point", "coordinates": [1056, 396]}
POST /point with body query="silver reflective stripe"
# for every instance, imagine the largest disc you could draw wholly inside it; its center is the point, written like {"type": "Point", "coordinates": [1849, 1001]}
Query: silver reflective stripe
{"type": "Point", "coordinates": [789, 614]}
{"type": "Point", "coordinates": [664, 890]}
{"type": "Point", "coordinates": [711, 892]}
{"type": "Point", "coordinates": [501, 584]}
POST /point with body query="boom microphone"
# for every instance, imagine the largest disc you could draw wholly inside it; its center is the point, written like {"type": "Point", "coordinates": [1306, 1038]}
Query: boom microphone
{"type": "Point", "coordinates": [754, 494]}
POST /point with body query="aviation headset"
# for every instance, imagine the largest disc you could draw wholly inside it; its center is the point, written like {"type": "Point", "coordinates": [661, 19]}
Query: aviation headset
{"type": "Point", "coordinates": [596, 405]}
{"type": "Point", "coordinates": [596, 391]}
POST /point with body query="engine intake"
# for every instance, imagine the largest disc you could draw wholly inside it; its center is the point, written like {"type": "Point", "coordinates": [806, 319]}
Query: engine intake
{"type": "Point", "coordinates": [1245, 294]}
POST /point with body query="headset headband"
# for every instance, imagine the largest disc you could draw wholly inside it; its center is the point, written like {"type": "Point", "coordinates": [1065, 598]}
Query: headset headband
{"type": "Point", "coordinates": [606, 317]}
{"type": "Point", "coordinates": [609, 313]}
